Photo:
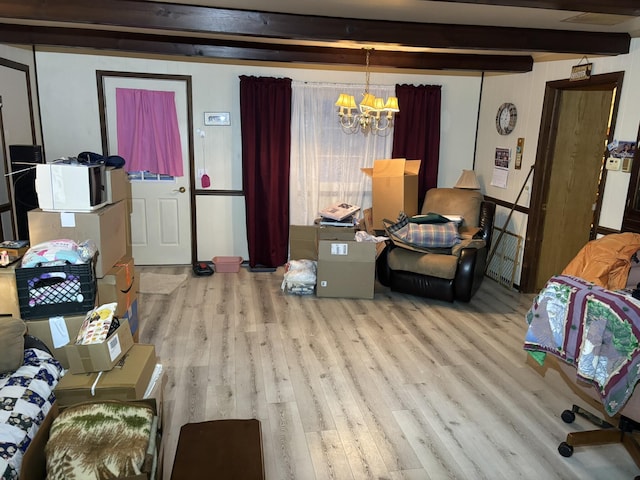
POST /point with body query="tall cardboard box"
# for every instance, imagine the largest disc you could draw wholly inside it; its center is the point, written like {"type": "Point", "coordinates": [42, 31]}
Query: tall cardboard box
{"type": "Point", "coordinates": [346, 269]}
{"type": "Point", "coordinates": [105, 226]}
{"type": "Point", "coordinates": [394, 188]}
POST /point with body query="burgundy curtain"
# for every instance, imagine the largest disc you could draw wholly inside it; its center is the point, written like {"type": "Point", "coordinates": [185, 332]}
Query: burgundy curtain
{"type": "Point", "coordinates": [265, 111]}
{"type": "Point", "coordinates": [417, 132]}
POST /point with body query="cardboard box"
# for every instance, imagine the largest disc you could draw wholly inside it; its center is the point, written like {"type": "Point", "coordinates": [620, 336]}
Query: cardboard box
{"type": "Point", "coordinates": [14, 248]}
{"type": "Point", "coordinates": [394, 189]}
{"type": "Point", "coordinates": [303, 239]}
{"type": "Point", "coordinates": [9, 304]}
{"type": "Point", "coordinates": [106, 227]}
{"type": "Point", "coordinates": [128, 380]}
{"type": "Point", "coordinates": [120, 284]}
{"type": "Point", "coordinates": [34, 460]}
{"type": "Point", "coordinates": [346, 269]}
{"type": "Point", "coordinates": [100, 356]}
{"type": "Point", "coordinates": [303, 242]}
{"type": "Point", "coordinates": [53, 331]}
{"type": "Point", "coordinates": [117, 185]}
{"type": "Point", "coordinates": [131, 316]}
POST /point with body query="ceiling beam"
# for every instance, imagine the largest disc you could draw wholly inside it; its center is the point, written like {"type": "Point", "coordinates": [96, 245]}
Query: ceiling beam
{"type": "Point", "coordinates": [256, 51]}
{"type": "Point", "coordinates": [614, 7]}
{"type": "Point", "coordinates": [176, 18]}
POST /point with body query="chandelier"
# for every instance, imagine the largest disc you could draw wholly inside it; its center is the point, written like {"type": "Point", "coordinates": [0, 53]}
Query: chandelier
{"type": "Point", "coordinates": [373, 114]}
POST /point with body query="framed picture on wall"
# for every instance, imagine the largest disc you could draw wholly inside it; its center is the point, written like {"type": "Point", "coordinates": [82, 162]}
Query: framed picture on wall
{"type": "Point", "coordinates": [217, 118]}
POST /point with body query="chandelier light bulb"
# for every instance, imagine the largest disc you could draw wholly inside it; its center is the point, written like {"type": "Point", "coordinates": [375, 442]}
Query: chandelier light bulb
{"type": "Point", "coordinates": [367, 115]}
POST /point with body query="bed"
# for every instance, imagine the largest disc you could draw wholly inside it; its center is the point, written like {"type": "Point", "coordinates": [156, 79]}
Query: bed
{"type": "Point", "coordinates": [26, 396]}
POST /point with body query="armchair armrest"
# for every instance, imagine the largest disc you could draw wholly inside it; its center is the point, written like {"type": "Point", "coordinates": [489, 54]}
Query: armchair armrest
{"type": "Point", "coordinates": [469, 275]}
{"type": "Point", "coordinates": [467, 243]}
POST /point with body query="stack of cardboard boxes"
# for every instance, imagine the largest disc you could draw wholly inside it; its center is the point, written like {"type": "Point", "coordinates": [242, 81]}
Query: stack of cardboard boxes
{"type": "Point", "coordinates": [123, 366]}
{"type": "Point", "coordinates": [108, 228]}
{"type": "Point", "coordinates": [346, 268]}
{"type": "Point", "coordinates": [119, 368]}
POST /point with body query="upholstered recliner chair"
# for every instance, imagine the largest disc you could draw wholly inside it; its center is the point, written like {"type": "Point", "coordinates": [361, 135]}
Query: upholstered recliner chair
{"type": "Point", "coordinates": [445, 273]}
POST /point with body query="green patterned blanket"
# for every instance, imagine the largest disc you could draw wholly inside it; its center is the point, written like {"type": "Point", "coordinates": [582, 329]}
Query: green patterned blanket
{"type": "Point", "coordinates": [595, 329]}
{"type": "Point", "coordinates": [100, 441]}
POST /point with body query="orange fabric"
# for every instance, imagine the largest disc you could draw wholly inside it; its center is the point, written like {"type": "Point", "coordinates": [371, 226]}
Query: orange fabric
{"type": "Point", "coordinates": [606, 260]}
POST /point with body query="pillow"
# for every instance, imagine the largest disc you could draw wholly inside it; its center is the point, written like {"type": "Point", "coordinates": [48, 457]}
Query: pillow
{"type": "Point", "coordinates": [12, 332]}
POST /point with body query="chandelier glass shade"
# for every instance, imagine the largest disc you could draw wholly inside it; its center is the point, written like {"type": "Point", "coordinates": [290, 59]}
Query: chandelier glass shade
{"type": "Point", "coordinates": [372, 114]}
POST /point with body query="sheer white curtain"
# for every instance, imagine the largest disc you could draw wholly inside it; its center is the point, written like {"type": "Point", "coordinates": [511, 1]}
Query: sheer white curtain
{"type": "Point", "coordinates": [326, 161]}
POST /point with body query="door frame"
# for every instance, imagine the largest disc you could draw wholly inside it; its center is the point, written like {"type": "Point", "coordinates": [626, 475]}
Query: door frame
{"type": "Point", "coordinates": [544, 163]}
{"type": "Point", "coordinates": [5, 156]}
{"type": "Point", "coordinates": [100, 76]}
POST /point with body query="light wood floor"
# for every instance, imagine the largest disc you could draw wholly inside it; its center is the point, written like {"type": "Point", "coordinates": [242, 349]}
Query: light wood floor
{"type": "Point", "coordinates": [397, 387]}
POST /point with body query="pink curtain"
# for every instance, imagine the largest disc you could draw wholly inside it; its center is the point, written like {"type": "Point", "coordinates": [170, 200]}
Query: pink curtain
{"type": "Point", "coordinates": [148, 134]}
{"type": "Point", "coordinates": [417, 132]}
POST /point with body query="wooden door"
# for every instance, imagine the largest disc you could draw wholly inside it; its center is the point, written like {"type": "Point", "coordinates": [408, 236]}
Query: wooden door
{"type": "Point", "coordinates": [578, 120]}
{"type": "Point", "coordinates": [572, 195]}
{"type": "Point", "coordinates": [161, 217]}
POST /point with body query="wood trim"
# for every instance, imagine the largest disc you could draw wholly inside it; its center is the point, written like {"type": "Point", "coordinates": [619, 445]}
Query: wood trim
{"type": "Point", "coordinates": [100, 74]}
{"type": "Point", "coordinates": [508, 205]}
{"type": "Point", "coordinates": [220, 193]}
{"type": "Point", "coordinates": [255, 51]}
{"type": "Point", "coordinates": [606, 231]}
{"type": "Point", "coordinates": [631, 217]}
{"type": "Point", "coordinates": [200, 20]}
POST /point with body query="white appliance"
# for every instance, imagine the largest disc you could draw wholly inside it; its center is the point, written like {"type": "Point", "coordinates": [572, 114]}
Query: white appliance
{"type": "Point", "coordinates": [70, 187]}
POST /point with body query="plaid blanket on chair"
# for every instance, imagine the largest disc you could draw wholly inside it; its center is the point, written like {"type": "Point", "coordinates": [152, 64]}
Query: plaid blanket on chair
{"type": "Point", "coordinates": [430, 235]}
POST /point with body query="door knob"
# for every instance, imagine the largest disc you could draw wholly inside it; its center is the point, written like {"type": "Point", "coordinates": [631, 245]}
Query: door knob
{"type": "Point", "coordinates": [180, 190]}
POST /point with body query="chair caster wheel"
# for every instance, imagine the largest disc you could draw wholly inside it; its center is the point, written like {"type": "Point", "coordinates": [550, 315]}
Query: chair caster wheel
{"type": "Point", "coordinates": [565, 449]}
{"type": "Point", "coordinates": [568, 416]}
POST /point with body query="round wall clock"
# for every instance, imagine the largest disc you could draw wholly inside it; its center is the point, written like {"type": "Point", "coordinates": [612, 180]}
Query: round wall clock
{"type": "Point", "coordinates": [506, 118]}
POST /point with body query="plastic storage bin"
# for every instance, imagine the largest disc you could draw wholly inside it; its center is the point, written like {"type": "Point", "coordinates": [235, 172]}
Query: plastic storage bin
{"type": "Point", "coordinates": [60, 290]}
{"type": "Point", "coordinates": [227, 264]}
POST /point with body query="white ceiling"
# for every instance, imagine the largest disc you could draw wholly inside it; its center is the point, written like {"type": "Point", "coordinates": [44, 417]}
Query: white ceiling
{"type": "Point", "coordinates": [424, 11]}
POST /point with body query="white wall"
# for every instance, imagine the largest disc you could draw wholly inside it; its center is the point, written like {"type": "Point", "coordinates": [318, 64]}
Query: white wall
{"type": "Point", "coordinates": [69, 105]}
{"type": "Point", "coordinates": [527, 92]}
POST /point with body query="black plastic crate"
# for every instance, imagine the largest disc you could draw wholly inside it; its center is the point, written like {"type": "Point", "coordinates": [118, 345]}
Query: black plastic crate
{"type": "Point", "coordinates": [59, 290]}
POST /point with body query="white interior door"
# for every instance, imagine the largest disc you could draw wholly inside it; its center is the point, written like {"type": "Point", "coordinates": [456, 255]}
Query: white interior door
{"type": "Point", "coordinates": [161, 208]}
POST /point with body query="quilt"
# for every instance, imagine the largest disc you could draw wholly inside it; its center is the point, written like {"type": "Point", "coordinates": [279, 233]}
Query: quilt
{"type": "Point", "coordinates": [595, 329]}
{"type": "Point", "coordinates": [26, 396]}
